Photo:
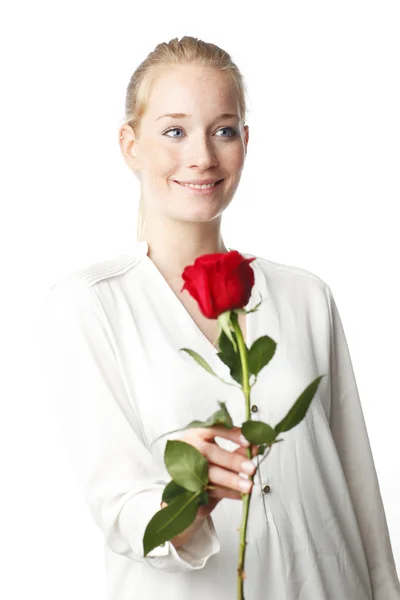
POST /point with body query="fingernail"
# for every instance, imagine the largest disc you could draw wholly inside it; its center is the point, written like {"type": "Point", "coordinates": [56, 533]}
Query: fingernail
{"type": "Point", "coordinates": [243, 440]}
{"type": "Point", "coordinates": [248, 467]}
{"type": "Point", "coordinates": [244, 485]}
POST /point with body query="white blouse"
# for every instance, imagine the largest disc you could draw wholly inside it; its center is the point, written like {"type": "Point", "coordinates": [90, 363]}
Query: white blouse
{"type": "Point", "coordinates": [317, 528]}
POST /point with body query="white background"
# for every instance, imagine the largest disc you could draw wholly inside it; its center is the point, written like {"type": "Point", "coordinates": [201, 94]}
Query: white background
{"type": "Point", "coordinates": [320, 190]}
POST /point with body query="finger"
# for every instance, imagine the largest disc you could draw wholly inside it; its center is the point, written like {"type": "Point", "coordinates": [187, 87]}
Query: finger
{"type": "Point", "coordinates": [234, 461]}
{"type": "Point", "coordinates": [243, 451]}
{"type": "Point", "coordinates": [228, 479]}
{"type": "Point", "coordinates": [219, 492]}
{"type": "Point", "coordinates": [208, 433]}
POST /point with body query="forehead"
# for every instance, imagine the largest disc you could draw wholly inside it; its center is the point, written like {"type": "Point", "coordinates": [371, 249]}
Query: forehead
{"type": "Point", "coordinates": [193, 90]}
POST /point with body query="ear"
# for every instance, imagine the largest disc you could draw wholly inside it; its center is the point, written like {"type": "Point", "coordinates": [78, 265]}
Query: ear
{"type": "Point", "coordinates": [128, 146]}
{"type": "Point", "coordinates": [246, 136]}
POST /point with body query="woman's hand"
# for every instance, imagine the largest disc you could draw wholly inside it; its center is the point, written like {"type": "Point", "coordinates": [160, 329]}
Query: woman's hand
{"type": "Point", "coordinates": [223, 471]}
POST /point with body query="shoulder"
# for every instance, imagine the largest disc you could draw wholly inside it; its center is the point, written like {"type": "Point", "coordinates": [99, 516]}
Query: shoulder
{"type": "Point", "coordinates": [294, 283]}
{"type": "Point", "coordinates": [290, 273]}
{"type": "Point", "coordinates": [83, 287]}
{"type": "Point", "coordinates": [105, 269]}
{"type": "Point", "coordinates": [93, 273]}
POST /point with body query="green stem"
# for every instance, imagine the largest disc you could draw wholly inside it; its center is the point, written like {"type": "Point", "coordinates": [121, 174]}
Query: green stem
{"type": "Point", "coordinates": [246, 497]}
{"type": "Point", "coordinates": [265, 456]}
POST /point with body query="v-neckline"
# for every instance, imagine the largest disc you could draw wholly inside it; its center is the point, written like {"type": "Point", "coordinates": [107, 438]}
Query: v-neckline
{"type": "Point", "coordinates": [143, 245]}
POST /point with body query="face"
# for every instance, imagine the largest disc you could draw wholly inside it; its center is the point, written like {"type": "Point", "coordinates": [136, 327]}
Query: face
{"type": "Point", "coordinates": [201, 146]}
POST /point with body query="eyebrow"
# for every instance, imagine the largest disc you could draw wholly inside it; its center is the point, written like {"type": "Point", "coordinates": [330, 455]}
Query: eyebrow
{"type": "Point", "coordinates": [183, 115]}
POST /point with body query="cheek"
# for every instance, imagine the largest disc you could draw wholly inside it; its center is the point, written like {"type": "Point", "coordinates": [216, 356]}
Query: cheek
{"type": "Point", "coordinates": [236, 157]}
{"type": "Point", "coordinates": [165, 162]}
{"type": "Point", "coordinates": [232, 157]}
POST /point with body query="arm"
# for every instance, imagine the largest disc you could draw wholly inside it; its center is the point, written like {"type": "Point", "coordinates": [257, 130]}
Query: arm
{"type": "Point", "coordinates": [351, 439]}
{"type": "Point", "coordinates": [120, 481]}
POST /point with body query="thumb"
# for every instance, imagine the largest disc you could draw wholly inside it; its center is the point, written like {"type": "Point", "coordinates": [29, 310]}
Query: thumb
{"type": "Point", "coordinates": [232, 434]}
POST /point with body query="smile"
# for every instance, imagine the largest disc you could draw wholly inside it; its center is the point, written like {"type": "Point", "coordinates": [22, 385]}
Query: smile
{"type": "Point", "coordinates": [194, 186]}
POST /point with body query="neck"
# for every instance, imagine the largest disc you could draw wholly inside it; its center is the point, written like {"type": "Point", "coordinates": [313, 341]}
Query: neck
{"type": "Point", "coordinates": [172, 252]}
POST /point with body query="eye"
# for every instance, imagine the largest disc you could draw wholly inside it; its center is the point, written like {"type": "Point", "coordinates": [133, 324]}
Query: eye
{"type": "Point", "coordinates": [172, 129]}
{"type": "Point", "coordinates": [233, 131]}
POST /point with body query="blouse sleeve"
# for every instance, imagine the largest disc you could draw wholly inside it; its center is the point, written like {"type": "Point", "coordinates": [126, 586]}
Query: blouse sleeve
{"type": "Point", "coordinates": [120, 481]}
{"type": "Point", "coordinates": [351, 439]}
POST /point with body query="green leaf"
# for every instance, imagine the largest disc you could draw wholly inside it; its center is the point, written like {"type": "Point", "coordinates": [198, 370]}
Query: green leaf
{"type": "Point", "coordinates": [203, 498]}
{"type": "Point", "coordinates": [200, 360]}
{"type": "Point", "coordinates": [186, 465]}
{"type": "Point", "coordinates": [262, 448]}
{"type": "Point", "coordinates": [261, 353]}
{"type": "Point", "coordinates": [220, 417]}
{"type": "Point", "coordinates": [230, 357]}
{"type": "Point", "coordinates": [300, 407]}
{"type": "Point", "coordinates": [258, 432]}
{"type": "Point", "coordinates": [171, 491]}
{"type": "Point", "coordinates": [224, 322]}
{"type": "Point", "coordinates": [171, 520]}
{"type": "Point", "coordinates": [255, 308]}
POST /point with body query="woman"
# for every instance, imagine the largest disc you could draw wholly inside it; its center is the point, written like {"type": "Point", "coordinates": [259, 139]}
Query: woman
{"type": "Point", "coordinates": [317, 528]}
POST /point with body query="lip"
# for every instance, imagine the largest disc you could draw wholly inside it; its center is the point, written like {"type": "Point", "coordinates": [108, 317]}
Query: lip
{"type": "Point", "coordinates": [201, 191]}
{"type": "Point", "coordinates": [202, 182]}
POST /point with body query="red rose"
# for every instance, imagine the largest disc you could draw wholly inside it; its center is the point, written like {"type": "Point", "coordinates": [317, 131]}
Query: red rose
{"type": "Point", "coordinates": [219, 282]}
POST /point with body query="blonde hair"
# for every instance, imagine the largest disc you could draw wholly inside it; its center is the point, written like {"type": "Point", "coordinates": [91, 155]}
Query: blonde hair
{"type": "Point", "coordinates": [187, 50]}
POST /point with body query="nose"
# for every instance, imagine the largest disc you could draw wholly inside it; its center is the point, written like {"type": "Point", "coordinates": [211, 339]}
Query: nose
{"type": "Point", "coordinates": [202, 154]}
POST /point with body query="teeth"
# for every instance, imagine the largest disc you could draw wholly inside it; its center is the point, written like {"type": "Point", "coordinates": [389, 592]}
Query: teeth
{"type": "Point", "coordinates": [199, 187]}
